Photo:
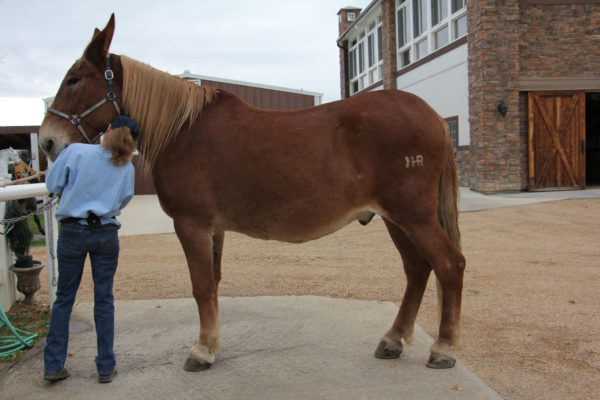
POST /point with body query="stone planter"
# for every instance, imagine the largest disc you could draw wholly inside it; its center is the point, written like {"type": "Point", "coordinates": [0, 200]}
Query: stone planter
{"type": "Point", "coordinates": [28, 281]}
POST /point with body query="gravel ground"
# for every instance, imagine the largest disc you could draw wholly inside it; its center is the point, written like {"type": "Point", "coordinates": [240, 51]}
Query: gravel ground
{"type": "Point", "coordinates": [530, 299]}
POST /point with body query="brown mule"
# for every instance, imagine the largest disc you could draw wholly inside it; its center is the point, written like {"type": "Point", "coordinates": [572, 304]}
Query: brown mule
{"type": "Point", "coordinates": [292, 176]}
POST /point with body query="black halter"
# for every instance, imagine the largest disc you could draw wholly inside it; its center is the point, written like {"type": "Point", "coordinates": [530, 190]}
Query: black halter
{"type": "Point", "coordinates": [111, 96]}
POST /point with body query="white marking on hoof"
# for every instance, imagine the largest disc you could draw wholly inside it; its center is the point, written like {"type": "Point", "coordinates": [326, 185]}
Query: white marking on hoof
{"type": "Point", "coordinates": [202, 353]}
{"type": "Point", "coordinates": [445, 350]}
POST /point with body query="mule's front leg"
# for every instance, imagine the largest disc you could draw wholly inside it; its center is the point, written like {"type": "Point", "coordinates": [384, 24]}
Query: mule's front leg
{"type": "Point", "coordinates": [197, 243]}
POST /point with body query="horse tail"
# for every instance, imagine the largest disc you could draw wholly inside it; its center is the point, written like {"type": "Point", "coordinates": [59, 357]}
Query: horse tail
{"type": "Point", "coordinates": [448, 194]}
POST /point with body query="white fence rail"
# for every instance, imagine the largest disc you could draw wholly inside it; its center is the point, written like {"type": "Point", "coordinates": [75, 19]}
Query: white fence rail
{"type": "Point", "coordinates": [16, 192]}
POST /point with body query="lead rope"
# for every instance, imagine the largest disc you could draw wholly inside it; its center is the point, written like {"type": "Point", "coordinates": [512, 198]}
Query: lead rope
{"type": "Point", "coordinates": [22, 180]}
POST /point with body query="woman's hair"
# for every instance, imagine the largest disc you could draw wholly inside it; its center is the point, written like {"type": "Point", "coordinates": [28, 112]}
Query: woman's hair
{"type": "Point", "coordinates": [121, 144]}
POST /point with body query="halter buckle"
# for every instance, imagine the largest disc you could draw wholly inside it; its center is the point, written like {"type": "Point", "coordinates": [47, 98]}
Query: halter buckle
{"type": "Point", "coordinates": [75, 119]}
{"type": "Point", "coordinates": [109, 75]}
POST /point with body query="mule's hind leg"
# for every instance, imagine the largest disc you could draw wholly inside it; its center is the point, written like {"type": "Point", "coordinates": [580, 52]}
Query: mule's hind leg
{"type": "Point", "coordinates": [417, 273]}
{"type": "Point", "coordinates": [197, 244]}
{"type": "Point", "coordinates": [425, 232]}
{"type": "Point", "coordinates": [448, 265]}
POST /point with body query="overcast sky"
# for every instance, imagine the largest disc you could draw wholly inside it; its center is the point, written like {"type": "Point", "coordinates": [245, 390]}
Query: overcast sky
{"type": "Point", "coordinates": [274, 42]}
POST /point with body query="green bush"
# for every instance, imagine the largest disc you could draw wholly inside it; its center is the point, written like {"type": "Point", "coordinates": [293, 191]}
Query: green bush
{"type": "Point", "coordinates": [19, 236]}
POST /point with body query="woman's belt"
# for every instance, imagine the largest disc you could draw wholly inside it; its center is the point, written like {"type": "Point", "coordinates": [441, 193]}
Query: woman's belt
{"type": "Point", "coordinates": [93, 221]}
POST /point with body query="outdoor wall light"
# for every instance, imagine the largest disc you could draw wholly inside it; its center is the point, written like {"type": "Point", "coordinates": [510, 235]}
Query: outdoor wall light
{"type": "Point", "coordinates": [502, 108]}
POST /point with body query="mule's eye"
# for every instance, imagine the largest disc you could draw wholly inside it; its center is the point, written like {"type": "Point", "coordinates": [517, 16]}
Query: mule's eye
{"type": "Point", "coordinates": [72, 81]}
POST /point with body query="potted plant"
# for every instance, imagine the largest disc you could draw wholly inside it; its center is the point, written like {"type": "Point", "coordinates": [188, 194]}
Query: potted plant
{"type": "Point", "coordinates": [19, 241]}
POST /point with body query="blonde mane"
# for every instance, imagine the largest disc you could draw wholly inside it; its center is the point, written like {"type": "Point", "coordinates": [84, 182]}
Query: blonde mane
{"type": "Point", "coordinates": [160, 104]}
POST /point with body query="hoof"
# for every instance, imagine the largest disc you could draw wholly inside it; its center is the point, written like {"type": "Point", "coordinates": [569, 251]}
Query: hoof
{"type": "Point", "coordinates": [440, 361]}
{"type": "Point", "coordinates": [192, 365]}
{"type": "Point", "coordinates": [388, 350]}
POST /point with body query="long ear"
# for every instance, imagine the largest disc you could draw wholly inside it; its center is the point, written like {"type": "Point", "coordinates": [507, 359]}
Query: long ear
{"type": "Point", "coordinates": [97, 50]}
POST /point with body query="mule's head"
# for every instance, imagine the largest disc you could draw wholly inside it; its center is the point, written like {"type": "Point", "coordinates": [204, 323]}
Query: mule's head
{"type": "Point", "coordinates": [83, 86]}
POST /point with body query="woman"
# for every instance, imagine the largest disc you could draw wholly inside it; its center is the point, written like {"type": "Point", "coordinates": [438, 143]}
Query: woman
{"type": "Point", "coordinates": [96, 182]}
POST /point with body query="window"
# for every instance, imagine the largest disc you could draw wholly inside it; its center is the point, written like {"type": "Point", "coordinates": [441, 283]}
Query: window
{"type": "Point", "coordinates": [371, 49]}
{"type": "Point", "coordinates": [403, 32]}
{"type": "Point", "coordinates": [425, 26]}
{"type": "Point", "coordinates": [453, 128]}
{"type": "Point", "coordinates": [419, 17]}
{"type": "Point", "coordinates": [352, 63]}
{"type": "Point", "coordinates": [361, 57]}
{"type": "Point", "coordinates": [379, 45]}
{"type": "Point", "coordinates": [460, 27]}
{"type": "Point", "coordinates": [421, 49]}
{"type": "Point", "coordinates": [441, 37]}
{"type": "Point", "coordinates": [405, 58]}
{"type": "Point", "coordinates": [365, 56]}
{"type": "Point", "coordinates": [439, 11]}
{"type": "Point", "coordinates": [457, 5]}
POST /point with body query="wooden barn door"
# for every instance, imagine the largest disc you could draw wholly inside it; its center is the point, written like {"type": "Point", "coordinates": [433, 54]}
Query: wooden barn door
{"type": "Point", "coordinates": [556, 140]}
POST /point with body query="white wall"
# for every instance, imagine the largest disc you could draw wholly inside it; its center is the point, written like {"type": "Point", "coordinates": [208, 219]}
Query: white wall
{"type": "Point", "coordinates": [443, 83]}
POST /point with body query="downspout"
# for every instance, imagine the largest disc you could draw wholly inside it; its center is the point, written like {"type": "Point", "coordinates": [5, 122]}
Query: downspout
{"type": "Point", "coordinates": [346, 71]}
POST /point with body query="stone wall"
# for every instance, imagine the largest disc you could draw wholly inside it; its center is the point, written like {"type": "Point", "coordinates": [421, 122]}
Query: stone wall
{"type": "Point", "coordinates": [559, 40]}
{"type": "Point", "coordinates": [493, 27]}
{"type": "Point", "coordinates": [463, 166]}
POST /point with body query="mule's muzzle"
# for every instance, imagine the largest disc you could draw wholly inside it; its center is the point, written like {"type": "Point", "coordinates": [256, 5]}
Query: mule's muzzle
{"type": "Point", "coordinates": [52, 147]}
{"type": "Point", "coordinates": [47, 145]}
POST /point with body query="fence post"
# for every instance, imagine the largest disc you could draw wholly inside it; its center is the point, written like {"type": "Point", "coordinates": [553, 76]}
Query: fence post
{"type": "Point", "coordinates": [8, 292]}
{"type": "Point", "coordinates": [51, 226]}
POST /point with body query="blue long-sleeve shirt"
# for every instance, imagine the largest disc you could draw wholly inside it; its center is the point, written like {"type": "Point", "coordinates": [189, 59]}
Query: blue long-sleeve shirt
{"type": "Point", "coordinates": [90, 183]}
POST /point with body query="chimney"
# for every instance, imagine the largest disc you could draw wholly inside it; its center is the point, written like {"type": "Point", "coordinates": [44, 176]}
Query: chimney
{"type": "Point", "coordinates": [347, 16]}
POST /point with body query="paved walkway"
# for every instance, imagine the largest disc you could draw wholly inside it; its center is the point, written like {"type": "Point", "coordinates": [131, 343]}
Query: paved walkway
{"type": "Point", "coordinates": [272, 348]}
{"type": "Point", "coordinates": [473, 201]}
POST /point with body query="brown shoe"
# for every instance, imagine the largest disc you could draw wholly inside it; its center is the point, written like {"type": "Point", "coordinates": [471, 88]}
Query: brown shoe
{"type": "Point", "coordinates": [107, 378]}
{"type": "Point", "coordinates": [59, 376]}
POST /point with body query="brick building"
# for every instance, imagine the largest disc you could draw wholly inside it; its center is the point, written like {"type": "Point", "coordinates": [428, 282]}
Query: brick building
{"type": "Point", "coordinates": [517, 80]}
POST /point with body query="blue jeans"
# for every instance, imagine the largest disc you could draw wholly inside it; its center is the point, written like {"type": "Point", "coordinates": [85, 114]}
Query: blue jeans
{"type": "Point", "coordinates": [74, 243]}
